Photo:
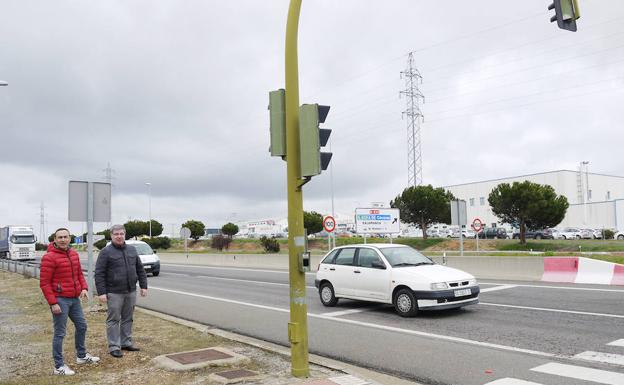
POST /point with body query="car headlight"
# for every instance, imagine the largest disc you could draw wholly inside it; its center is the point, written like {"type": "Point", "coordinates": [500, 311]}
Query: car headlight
{"type": "Point", "coordinates": [472, 282]}
{"type": "Point", "coordinates": [439, 286]}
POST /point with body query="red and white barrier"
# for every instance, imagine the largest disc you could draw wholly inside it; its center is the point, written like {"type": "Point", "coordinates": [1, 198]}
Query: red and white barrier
{"type": "Point", "coordinates": [582, 270]}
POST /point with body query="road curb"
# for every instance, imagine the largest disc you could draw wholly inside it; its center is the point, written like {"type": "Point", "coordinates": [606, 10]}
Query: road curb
{"type": "Point", "coordinates": [363, 373]}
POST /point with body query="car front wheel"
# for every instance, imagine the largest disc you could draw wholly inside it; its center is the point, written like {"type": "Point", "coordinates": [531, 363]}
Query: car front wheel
{"type": "Point", "coordinates": [405, 303]}
{"type": "Point", "coordinates": [621, 237]}
{"type": "Point", "coordinates": [155, 273]}
{"type": "Point", "coordinates": [327, 295]}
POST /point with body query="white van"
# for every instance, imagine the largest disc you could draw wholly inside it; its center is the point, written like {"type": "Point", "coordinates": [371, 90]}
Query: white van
{"type": "Point", "coordinates": [393, 274]}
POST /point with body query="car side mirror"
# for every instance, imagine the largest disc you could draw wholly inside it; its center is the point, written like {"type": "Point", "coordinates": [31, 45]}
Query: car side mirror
{"type": "Point", "coordinates": [378, 265]}
{"type": "Point", "coordinates": [154, 251]}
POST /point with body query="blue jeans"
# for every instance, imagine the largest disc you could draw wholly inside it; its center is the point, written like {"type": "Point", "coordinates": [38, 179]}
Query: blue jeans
{"type": "Point", "coordinates": [70, 307]}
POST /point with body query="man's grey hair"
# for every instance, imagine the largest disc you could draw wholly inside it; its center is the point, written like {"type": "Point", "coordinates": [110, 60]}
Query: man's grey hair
{"type": "Point", "coordinates": [117, 228]}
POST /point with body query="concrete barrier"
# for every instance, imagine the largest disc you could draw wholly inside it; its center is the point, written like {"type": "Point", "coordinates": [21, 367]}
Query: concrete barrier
{"type": "Point", "coordinates": [511, 268]}
{"type": "Point", "coordinates": [582, 270]}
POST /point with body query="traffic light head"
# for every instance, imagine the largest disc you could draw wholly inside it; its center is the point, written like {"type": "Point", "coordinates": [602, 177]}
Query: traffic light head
{"type": "Point", "coordinates": [277, 110]}
{"type": "Point", "coordinates": [312, 138]}
{"type": "Point", "coordinates": [566, 13]}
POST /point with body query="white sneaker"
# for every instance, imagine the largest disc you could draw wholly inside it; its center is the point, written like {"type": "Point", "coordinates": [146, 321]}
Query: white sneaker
{"type": "Point", "coordinates": [87, 359]}
{"type": "Point", "coordinates": [64, 371]}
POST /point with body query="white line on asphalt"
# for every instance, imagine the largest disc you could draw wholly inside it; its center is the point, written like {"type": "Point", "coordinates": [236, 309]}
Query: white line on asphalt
{"type": "Point", "coordinates": [496, 288]}
{"type": "Point", "coordinates": [609, 358]}
{"type": "Point", "coordinates": [252, 281]}
{"type": "Point", "coordinates": [379, 327]}
{"type": "Point", "coordinates": [581, 373]}
{"type": "Point", "coordinates": [351, 311]}
{"type": "Point", "coordinates": [617, 343]}
{"type": "Point", "coordinates": [230, 268]}
{"type": "Point", "coordinates": [552, 310]}
{"type": "Point", "coordinates": [511, 381]}
{"type": "Point", "coordinates": [556, 287]}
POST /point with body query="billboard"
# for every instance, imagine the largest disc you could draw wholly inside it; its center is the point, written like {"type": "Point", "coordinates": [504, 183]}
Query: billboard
{"type": "Point", "coordinates": [377, 221]}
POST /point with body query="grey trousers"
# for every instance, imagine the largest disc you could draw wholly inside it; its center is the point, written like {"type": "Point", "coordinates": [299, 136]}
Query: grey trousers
{"type": "Point", "coordinates": [119, 320]}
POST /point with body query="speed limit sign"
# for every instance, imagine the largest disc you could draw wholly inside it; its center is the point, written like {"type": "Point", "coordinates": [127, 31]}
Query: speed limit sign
{"type": "Point", "coordinates": [477, 225]}
{"type": "Point", "coordinates": [329, 223]}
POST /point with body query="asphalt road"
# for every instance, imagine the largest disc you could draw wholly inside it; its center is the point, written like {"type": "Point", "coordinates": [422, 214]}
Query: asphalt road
{"type": "Point", "coordinates": [532, 332]}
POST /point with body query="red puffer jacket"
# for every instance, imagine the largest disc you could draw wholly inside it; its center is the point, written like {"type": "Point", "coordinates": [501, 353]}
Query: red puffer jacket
{"type": "Point", "coordinates": [61, 274]}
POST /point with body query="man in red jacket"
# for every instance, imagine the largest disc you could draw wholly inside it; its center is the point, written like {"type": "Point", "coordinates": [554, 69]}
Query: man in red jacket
{"type": "Point", "coordinates": [62, 283]}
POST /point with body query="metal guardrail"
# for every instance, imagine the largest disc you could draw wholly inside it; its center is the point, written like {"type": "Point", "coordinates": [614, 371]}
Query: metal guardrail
{"type": "Point", "coordinates": [27, 268]}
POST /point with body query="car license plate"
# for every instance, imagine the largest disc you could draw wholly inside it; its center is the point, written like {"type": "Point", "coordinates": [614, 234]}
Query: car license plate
{"type": "Point", "coordinates": [462, 292]}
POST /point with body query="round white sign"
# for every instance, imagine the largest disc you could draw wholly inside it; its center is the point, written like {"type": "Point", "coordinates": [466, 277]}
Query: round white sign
{"type": "Point", "coordinates": [329, 224]}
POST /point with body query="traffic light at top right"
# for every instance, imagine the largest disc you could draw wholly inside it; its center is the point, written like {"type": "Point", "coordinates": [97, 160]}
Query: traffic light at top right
{"type": "Point", "coordinates": [312, 138]}
{"type": "Point", "coordinates": [566, 13]}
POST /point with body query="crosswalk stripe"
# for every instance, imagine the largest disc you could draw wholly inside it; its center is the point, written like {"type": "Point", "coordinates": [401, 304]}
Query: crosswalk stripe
{"type": "Point", "coordinates": [617, 343]}
{"type": "Point", "coordinates": [511, 381]}
{"type": "Point", "coordinates": [581, 373]}
{"type": "Point", "coordinates": [608, 358]}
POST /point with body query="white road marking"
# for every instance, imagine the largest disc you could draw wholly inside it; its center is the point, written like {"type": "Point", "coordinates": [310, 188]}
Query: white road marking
{"type": "Point", "coordinates": [348, 380]}
{"type": "Point", "coordinates": [511, 381]}
{"type": "Point", "coordinates": [229, 268]}
{"type": "Point", "coordinates": [496, 288]}
{"type": "Point", "coordinates": [252, 281]}
{"type": "Point", "coordinates": [351, 311]}
{"type": "Point", "coordinates": [609, 358]}
{"type": "Point", "coordinates": [379, 327]}
{"type": "Point", "coordinates": [552, 310]}
{"type": "Point", "coordinates": [581, 373]}
{"type": "Point", "coordinates": [617, 343]}
{"type": "Point", "coordinates": [556, 287]}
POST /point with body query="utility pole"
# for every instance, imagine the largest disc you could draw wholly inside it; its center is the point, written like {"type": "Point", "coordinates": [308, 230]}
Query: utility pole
{"type": "Point", "coordinates": [42, 234]}
{"type": "Point", "coordinates": [108, 178]}
{"type": "Point", "coordinates": [414, 118]}
{"type": "Point", "coordinates": [298, 325]}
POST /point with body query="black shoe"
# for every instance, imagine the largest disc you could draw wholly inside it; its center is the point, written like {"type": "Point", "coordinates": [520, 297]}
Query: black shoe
{"type": "Point", "coordinates": [131, 348]}
{"type": "Point", "coordinates": [116, 353]}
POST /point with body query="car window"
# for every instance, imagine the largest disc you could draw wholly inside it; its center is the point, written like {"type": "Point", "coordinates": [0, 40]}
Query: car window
{"type": "Point", "coordinates": [345, 257]}
{"type": "Point", "coordinates": [366, 257]}
{"type": "Point", "coordinates": [330, 257]}
{"type": "Point", "coordinates": [405, 256]}
{"type": "Point", "coordinates": [143, 248]}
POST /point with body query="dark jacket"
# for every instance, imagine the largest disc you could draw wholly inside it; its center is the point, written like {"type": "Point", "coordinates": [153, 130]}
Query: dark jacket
{"type": "Point", "coordinates": [61, 274]}
{"type": "Point", "coordinates": [117, 270]}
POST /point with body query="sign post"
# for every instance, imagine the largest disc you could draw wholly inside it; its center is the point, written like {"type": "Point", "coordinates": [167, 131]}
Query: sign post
{"type": "Point", "coordinates": [477, 225]}
{"type": "Point", "coordinates": [185, 233]}
{"type": "Point", "coordinates": [89, 202]}
{"type": "Point", "coordinates": [377, 221]}
{"type": "Point", "coordinates": [329, 224]}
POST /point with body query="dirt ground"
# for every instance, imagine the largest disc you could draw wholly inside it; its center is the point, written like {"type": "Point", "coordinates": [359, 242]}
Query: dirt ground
{"type": "Point", "coordinates": [26, 347]}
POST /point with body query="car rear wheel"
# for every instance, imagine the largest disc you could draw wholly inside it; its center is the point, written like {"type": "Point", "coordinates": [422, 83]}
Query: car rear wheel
{"type": "Point", "coordinates": [621, 237]}
{"type": "Point", "coordinates": [405, 303]}
{"type": "Point", "coordinates": [327, 295]}
{"type": "Point", "coordinates": [538, 236]}
{"type": "Point", "coordinates": [578, 237]}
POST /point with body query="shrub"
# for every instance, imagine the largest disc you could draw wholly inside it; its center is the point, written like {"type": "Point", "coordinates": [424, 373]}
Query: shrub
{"type": "Point", "coordinates": [100, 244]}
{"type": "Point", "coordinates": [41, 247]}
{"type": "Point", "coordinates": [220, 242]}
{"type": "Point", "coordinates": [271, 245]}
{"type": "Point", "coordinates": [158, 243]}
{"type": "Point", "coordinates": [609, 234]}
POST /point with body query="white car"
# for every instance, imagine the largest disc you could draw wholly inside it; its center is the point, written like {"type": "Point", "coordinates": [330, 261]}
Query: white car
{"type": "Point", "coordinates": [570, 233]}
{"type": "Point", "coordinates": [393, 274]}
{"type": "Point", "coordinates": [149, 259]}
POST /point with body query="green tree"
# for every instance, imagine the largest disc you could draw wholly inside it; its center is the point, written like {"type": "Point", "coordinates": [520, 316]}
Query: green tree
{"type": "Point", "coordinates": [528, 205]}
{"type": "Point", "coordinates": [229, 229]}
{"type": "Point", "coordinates": [313, 222]}
{"type": "Point", "coordinates": [423, 206]}
{"type": "Point", "coordinates": [157, 228]}
{"type": "Point", "coordinates": [197, 228]}
{"type": "Point", "coordinates": [135, 228]}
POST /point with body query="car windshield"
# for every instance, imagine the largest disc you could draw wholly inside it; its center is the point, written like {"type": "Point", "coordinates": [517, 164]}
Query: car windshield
{"type": "Point", "coordinates": [23, 239]}
{"type": "Point", "coordinates": [404, 256]}
{"type": "Point", "coordinates": [143, 249]}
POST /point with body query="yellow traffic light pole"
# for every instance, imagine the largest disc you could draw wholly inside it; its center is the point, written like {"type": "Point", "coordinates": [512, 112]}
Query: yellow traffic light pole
{"type": "Point", "coordinates": [298, 325]}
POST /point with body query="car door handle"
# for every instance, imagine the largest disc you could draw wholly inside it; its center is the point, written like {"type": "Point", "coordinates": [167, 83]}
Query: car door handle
{"type": "Point", "coordinates": [332, 269]}
{"type": "Point", "coordinates": [356, 271]}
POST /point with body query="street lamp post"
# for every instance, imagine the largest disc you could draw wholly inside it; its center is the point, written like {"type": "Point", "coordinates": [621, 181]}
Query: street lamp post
{"type": "Point", "coordinates": [149, 193]}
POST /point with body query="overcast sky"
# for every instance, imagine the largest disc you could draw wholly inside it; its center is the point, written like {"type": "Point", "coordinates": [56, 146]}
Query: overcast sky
{"type": "Point", "coordinates": [175, 93]}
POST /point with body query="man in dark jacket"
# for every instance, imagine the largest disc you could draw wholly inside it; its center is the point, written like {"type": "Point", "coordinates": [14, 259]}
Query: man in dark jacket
{"type": "Point", "coordinates": [117, 270]}
{"type": "Point", "coordinates": [62, 283]}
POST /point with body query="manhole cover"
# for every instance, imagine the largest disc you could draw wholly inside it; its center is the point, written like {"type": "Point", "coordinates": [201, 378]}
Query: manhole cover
{"type": "Point", "coordinates": [199, 356]}
{"type": "Point", "coordinates": [238, 373]}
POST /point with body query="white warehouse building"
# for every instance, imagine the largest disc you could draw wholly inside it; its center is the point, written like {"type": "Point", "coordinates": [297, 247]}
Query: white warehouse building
{"type": "Point", "coordinates": [596, 200]}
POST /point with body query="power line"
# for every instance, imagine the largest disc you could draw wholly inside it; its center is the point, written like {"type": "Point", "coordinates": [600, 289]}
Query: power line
{"type": "Point", "coordinates": [414, 117]}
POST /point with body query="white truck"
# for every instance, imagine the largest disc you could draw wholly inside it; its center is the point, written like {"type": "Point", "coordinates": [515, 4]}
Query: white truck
{"type": "Point", "coordinates": [17, 243]}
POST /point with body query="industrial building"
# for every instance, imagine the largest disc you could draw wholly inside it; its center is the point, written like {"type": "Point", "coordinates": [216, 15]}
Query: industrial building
{"type": "Point", "coordinates": [596, 200]}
